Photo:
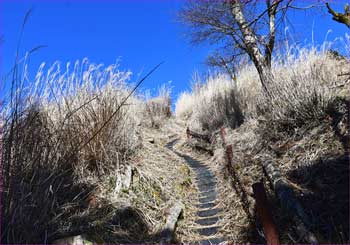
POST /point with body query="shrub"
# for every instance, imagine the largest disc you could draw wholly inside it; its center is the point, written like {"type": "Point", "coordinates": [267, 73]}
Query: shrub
{"type": "Point", "coordinates": [183, 104]}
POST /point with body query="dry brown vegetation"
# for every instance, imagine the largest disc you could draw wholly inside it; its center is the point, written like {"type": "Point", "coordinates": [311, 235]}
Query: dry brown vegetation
{"type": "Point", "coordinates": [79, 159]}
{"type": "Point", "coordinates": [68, 144]}
{"type": "Point", "coordinates": [158, 109]}
{"type": "Point", "coordinates": [303, 127]}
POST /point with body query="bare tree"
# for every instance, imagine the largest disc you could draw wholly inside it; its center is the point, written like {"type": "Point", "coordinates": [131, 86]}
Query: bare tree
{"type": "Point", "coordinates": [224, 62]}
{"type": "Point", "coordinates": [240, 27]}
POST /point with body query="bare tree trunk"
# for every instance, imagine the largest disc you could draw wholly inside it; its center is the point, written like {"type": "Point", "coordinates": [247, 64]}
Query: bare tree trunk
{"type": "Point", "coordinates": [265, 75]}
{"type": "Point", "coordinates": [250, 41]}
{"type": "Point", "coordinates": [271, 10]}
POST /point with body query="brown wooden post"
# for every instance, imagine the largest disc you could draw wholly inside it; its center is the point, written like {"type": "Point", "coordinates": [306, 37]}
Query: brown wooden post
{"type": "Point", "coordinates": [223, 135]}
{"type": "Point", "coordinates": [264, 213]}
{"type": "Point", "coordinates": [188, 133]}
{"type": "Point", "coordinates": [229, 154]}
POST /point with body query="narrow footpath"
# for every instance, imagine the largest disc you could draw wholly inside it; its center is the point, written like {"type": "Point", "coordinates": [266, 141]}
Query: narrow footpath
{"type": "Point", "coordinates": [208, 213]}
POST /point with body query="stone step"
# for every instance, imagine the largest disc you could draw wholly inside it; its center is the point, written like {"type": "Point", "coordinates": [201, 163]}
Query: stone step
{"type": "Point", "coordinates": [192, 161]}
{"type": "Point", "coordinates": [205, 178]}
{"type": "Point", "coordinates": [196, 166]}
{"type": "Point", "coordinates": [205, 175]}
{"type": "Point", "coordinates": [206, 205]}
{"type": "Point", "coordinates": [208, 231]}
{"type": "Point", "coordinates": [202, 170]}
{"type": "Point", "coordinates": [209, 212]}
{"type": "Point", "coordinates": [210, 192]}
{"type": "Point", "coordinates": [208, 221]}
{"type": "Point", "coordinates": [203, 193]}
{"type": "Point", "coordinates": [206, 186]}
{"type": "Point", "coordinates": [205, 181]}
{"type": "Point", "coordinates": [213, 240]}
{"type": "Point", "coordinates": [209, 198]}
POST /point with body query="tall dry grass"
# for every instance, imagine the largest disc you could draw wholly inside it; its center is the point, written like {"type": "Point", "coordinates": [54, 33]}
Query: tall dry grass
{"type": "Point", "coordinates": [62, 134]}
{"type": "Point", "coordinates": [158, 109]}
{"type": "Point", "coordinates": [303, 91]}
{"type": "Point", "coordinates": [212, 104]}
{"type": "Point", "coordinates": [305, 88]}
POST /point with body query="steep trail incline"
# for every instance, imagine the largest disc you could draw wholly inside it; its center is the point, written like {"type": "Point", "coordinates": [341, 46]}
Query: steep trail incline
{"type": "Point", "coordinates": [208, 214]}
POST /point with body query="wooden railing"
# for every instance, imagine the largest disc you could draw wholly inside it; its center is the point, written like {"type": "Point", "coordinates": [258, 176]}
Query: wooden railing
{"type": "Point", "coordinates": [204, 137]}
{"type": "Point", "coordinates": [261, 202]}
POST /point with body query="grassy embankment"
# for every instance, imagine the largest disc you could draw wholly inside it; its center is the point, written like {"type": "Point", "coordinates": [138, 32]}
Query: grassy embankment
{"type": "Point", "coordinates": [303, 127]}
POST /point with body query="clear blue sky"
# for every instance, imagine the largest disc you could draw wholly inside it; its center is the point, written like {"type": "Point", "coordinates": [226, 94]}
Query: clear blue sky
{"type": "Point", "coordinates": [142, 33]}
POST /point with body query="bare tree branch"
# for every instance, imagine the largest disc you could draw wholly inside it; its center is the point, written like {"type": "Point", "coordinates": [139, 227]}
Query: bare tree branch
{"type": "Point", "coordinates": [341, 18]}
{"type": "Point", "coordinates": [241, 26]}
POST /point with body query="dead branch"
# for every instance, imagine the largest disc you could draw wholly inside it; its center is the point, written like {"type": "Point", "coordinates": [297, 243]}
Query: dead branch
{"type": "Point", "coordinates": [339, 17]}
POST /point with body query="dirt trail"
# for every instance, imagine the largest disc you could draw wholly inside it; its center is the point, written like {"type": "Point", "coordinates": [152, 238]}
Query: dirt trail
{"type": "Point", "coordinates": [208, 214]}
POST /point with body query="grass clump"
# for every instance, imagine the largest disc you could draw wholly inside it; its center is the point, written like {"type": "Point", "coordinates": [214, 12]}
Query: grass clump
{"type": "Point", "coordinates": [159, 108]}
{"type": "Point", "coordinates": [212, 104]}
{"type": "Point", "coordinates": [305, 87]}
{"type": "Point", "coordinates": [303, 92]}
{"type": "Point", "coordinates": [57, 146]}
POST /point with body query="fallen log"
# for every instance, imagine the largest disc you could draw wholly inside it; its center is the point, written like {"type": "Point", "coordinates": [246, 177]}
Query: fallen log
{"type": "Point", "coordinates": [199, 145]}
{"type": "Point", "coordinates": [202, 147]}
{"type": "Point", "coordinates": [289, 201]}
{"type": "Point", "coordinates": [168, 230]}
{"type": "Point", "coordinates": [70, 231]}
{"type": "Point", "coordinates": [203, 137]}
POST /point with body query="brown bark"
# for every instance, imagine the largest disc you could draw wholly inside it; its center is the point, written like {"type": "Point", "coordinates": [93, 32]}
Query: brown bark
{"type": "Point", "coordinates": [341, 18]}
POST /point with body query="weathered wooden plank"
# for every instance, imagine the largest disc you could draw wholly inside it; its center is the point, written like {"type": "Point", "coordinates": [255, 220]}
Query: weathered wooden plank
{"type": "Point", "coordinates": [167, 233]}
{"type": "Point", "coordinates": [289, 201]}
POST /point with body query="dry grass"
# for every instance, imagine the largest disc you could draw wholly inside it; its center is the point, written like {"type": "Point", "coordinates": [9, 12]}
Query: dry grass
{"type": "Point", "coordinates": [303, 91]}
{"type": "Point", "coordinates": [303, 127]}
{"type": "Point", "coordinates": [62, 135]}
{"type": "Point", "coordinates": [317, 167]}
{"type": "Point", "coordinates": [211, 105]}
{"type": "Point", "coordinates": [158, 109]}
